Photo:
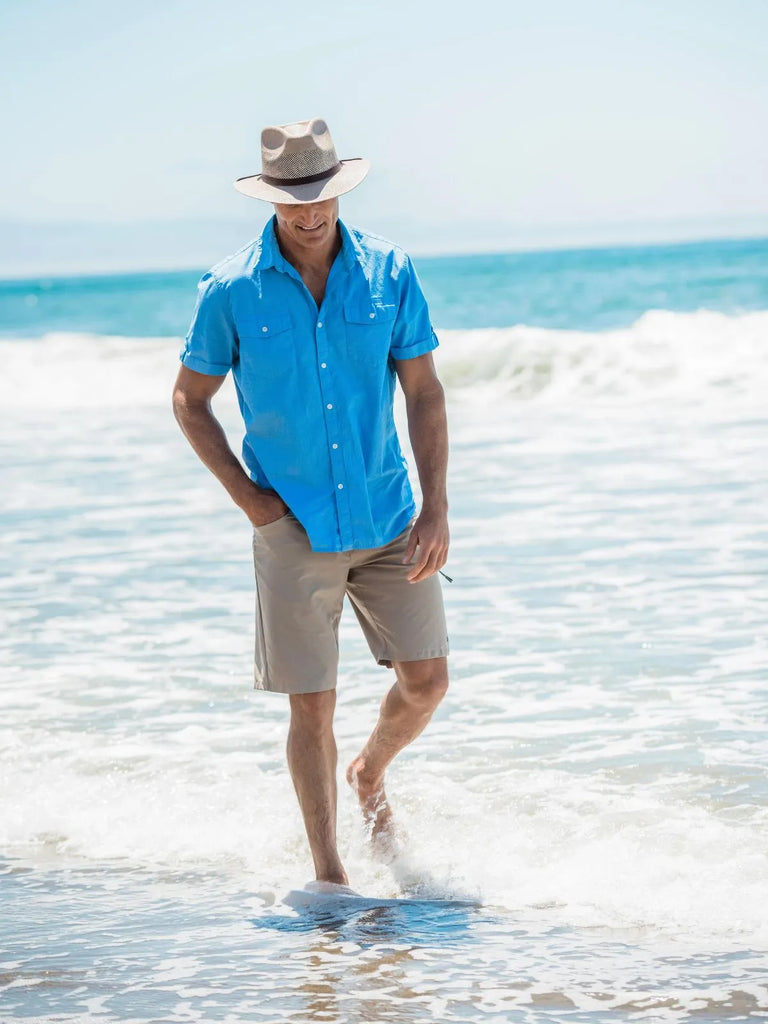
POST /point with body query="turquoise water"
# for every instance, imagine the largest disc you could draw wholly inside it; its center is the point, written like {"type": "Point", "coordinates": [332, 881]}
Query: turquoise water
{"type": "Point", "coordinates": [589, 289]}
{"type": "Point", "coordinates": [596, 775]}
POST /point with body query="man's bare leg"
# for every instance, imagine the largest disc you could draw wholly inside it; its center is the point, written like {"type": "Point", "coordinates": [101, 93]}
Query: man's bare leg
{"type": "Point", "coordinates": [405, 711]}
{"type": "Point", "coordinates": [312, 759]}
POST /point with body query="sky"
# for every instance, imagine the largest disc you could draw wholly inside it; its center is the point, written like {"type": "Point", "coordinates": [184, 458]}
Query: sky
{"type": "Point", "coordinates": [491, 125]}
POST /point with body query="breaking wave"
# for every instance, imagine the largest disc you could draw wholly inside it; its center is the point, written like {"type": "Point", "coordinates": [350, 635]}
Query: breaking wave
{"type": "Point", "coordinates": [684, 356]}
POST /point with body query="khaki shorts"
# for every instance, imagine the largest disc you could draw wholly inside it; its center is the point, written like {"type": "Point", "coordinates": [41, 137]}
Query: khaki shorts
{"type": "Point", "coordinates": [299, 597]}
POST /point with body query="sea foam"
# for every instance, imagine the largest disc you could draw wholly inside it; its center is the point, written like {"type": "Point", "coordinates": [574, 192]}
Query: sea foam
{"type": "Point", "coordinates": [693, 357]}
{"type": "Point", "coordinates": [596, 773]}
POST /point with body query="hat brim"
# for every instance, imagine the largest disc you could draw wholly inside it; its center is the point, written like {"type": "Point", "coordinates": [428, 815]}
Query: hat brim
{"type": "Point", "coordinates": [349, 175]}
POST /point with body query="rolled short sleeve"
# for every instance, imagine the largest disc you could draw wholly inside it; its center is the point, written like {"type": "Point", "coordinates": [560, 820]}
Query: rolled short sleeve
{"type": "Point", "coordinates": [211, 344]}
{"type": "Point", "coordinates": [412, 335]}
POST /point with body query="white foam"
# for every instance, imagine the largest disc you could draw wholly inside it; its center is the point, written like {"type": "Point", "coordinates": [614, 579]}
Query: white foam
{"type": "Point", "coordinates": [86, 371]}
{"type": "Point", "coordinates": [702, 357]}
{"type": "Point", "coordinates": [663, 355]}
{"type": "Point", "coordinates": [543, 844]}
{"type": "Point", "coordinates": [598, 760]}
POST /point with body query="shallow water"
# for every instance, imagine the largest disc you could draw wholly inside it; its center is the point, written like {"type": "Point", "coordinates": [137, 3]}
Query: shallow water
{"type": "Point", "coordinates": [596, 775]}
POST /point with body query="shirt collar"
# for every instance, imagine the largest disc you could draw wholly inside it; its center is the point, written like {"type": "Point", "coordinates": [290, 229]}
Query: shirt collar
{"type": "Point", "coordinates": [270, 255]}
{"type": "Point", "coordinates": [350, 248]}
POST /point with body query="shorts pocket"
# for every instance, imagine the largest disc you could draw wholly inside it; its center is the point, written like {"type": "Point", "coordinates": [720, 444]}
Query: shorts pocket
{"type": "Point", "coordinates": [260, 673]}
{"type": "Point", "coordinates": [274, 522]}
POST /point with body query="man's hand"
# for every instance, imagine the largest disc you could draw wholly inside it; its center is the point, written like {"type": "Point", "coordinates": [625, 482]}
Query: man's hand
{"type": "Point", "coordinates": [264, 507]}
{"type": "Point", "coordinates": [429, 534]}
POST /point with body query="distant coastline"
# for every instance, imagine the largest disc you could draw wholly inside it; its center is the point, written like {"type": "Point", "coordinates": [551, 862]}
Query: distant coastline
{"type": "Point", "coordinates": [33, 250]}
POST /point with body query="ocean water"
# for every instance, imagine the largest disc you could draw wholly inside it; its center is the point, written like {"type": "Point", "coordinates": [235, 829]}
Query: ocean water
{"type": "Point", "coordinates": [596, 776]}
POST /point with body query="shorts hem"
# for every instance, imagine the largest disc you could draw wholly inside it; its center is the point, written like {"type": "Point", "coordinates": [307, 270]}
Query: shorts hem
{"type": "Point", "coordinates": [263, 687]}
{"type": "Point", "coordinates": [424, 655]}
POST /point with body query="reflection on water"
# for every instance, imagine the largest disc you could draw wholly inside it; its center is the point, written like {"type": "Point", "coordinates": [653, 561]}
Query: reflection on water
{"type": "Point", "coordinates": [413, 921]}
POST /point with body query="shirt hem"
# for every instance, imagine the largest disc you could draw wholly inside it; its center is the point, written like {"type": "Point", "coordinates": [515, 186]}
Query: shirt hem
{"type": "Point", "coordinates": [401, 523]}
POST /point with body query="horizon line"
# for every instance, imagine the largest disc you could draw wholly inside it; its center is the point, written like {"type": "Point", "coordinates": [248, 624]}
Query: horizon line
{"type": "Point", "coordinates": [417, 252]}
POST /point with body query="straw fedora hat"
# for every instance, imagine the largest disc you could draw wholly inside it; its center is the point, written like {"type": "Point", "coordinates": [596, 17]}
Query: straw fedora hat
{"type": "Point", "coordinates": [299, 165]}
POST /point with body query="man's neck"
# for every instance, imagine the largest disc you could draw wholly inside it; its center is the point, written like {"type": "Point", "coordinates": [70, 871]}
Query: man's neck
{"type": "Point", "coordinates": [314, 261]}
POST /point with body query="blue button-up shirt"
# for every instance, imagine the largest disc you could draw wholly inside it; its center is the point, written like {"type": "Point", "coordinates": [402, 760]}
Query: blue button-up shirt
{"type": "Point", "coordinates": [316, 386]}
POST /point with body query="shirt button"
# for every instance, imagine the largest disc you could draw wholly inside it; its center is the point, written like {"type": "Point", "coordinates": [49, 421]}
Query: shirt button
{"type": "Point", "coordinates": [334, 446]}
{"type": "Point", "coordinates": [372, 316]}
{"type": "Point", "coordinates": [265, 329]}
{"type": "Point", "coordinates": [323, 366]}
{"type": "Point", "coordinates": [329, 406]}
{"type": "Point", "coordinates": [319, 323]}
{"type": "Point", "coordinates": [341, 487]}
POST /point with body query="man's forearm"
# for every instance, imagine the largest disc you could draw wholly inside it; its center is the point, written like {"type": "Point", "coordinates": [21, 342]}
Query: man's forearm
{"type": "Point", "coordinates": [207, 437]}
{"type": "Point", "coordinates": [428, 431]}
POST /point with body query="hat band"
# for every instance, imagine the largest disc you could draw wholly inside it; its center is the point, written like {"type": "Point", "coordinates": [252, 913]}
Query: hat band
{"type": "Point", "coordinates": [301, 181]}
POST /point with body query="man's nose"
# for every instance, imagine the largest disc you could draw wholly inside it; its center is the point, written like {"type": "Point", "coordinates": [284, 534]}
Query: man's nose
{"type": "Point", "coordinates": [310, 216]}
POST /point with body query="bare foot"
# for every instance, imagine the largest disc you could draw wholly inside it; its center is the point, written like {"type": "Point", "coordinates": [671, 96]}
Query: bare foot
{"type": "Point", "coordinates": [377, 813]}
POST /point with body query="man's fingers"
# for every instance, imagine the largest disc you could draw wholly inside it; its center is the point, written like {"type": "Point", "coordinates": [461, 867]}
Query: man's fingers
{"type": "Point", "coordinates": [417, 569]}
{"type": "Point", "coordinates": [429, 563]}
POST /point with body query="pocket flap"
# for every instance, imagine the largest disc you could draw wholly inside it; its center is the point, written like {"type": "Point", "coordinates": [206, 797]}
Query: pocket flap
{"type": "Point", "coordinates": [266, 326]}
{"type": "Point", "coordinates": [369, 311]}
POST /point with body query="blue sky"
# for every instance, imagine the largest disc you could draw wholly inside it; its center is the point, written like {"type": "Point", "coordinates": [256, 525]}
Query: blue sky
{"type": "Point", "coordinates": [490, 125]}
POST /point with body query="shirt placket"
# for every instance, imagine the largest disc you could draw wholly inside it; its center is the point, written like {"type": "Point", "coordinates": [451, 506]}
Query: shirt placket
{"type": "Point", "coordinates": [334, 424]}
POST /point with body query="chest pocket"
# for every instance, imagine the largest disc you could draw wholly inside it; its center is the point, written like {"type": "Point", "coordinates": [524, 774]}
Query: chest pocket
{"type": "Point", "coordinates": [268, 326]}
{"type": "Point", "coordinates": [266, 346]}
{"type": "Point", "coordinates": [369, 325]}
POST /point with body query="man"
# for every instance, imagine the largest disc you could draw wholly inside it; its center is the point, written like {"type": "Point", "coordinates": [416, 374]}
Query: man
{"type": "Point", "coordinates": [316, 320]}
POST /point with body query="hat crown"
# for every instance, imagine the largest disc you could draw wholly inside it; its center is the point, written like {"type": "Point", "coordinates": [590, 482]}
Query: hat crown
{"type": "Point", "coordinates": [299, 150]}
{"type": "Point", "coordinates": [300, 165]}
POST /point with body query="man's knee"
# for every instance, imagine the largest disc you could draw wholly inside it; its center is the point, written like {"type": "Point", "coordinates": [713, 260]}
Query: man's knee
{"type": "Point", "coordinates": [423, 682]}
{"type": "Point", "coordinates": [312, 711]}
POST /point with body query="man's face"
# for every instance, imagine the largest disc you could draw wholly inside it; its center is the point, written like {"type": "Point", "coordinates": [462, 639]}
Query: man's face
{"type": "Point", "coordinates": [307, 225]}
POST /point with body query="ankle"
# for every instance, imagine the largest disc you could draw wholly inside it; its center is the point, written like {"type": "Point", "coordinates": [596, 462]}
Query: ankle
{"type": "Point", "coordinates": [360, 776]}
{"type": "Point", "coordinates": [337, 876]}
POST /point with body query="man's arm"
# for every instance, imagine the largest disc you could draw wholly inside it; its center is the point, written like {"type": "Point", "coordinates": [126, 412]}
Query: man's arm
{"type": "Point", "coordinates": [192, 394]}
{"type": "Point", "coordinates": [428, 431]}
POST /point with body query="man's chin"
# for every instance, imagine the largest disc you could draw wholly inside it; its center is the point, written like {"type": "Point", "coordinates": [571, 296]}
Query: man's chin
{"type": "Point", "coordinates": [322, 233]}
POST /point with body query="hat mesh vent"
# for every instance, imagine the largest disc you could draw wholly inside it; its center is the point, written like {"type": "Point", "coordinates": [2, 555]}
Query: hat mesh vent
{"type": "Point", "coordinates": [306, 162]}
